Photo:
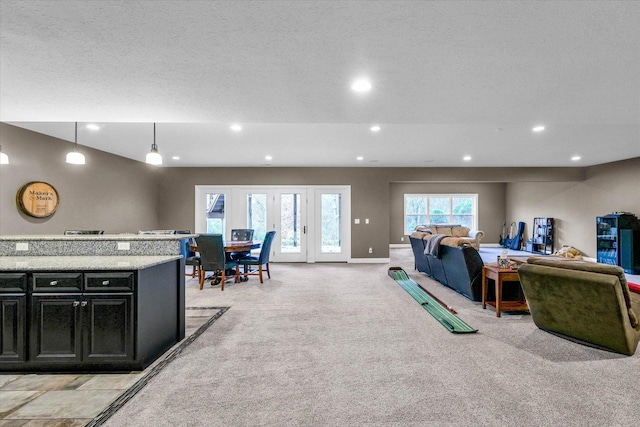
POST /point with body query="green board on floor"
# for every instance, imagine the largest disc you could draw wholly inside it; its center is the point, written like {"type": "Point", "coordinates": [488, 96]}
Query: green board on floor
{"type": "Point", "coordinates": [449, 320]}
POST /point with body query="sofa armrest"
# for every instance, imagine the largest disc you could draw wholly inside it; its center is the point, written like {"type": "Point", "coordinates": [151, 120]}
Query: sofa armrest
{"type": "Point", "coordinates": [476, 235]}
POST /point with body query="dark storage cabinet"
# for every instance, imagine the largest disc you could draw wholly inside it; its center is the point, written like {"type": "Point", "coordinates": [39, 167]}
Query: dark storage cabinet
{"type": "Point", "coordinates": [94, 321]}
{"type": "Point", "coordinates": [542, 238]}
{"type": "Point", "coordinates": [13, 311]}
{"type": "Point", "coordinates": [618, 241]}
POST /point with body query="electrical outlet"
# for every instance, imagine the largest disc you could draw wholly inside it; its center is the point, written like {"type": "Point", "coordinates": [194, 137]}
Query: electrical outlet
{"type": "Point", "coordinates": [124, 246]}
{"type": "Point", "coordinates": [366, 220]}
{"type": "Point", "coordinates": [370, 250]}
{"type": "Point", "coordinates": [402, 239]}
{"type": "Point", "coordinates": [22, 246]}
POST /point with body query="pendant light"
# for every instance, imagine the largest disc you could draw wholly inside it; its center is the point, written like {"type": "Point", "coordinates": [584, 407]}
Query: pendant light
{"type": "Point", "coordinates": [153, 157]}
{"type": "Point", "coordinates": [75, 157]}
{"type": "Point", "coordinates": [4, 159]}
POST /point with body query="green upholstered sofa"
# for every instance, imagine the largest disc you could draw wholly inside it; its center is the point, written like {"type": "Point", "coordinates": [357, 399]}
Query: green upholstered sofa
{"type": "Point", "coordinates": [583, 301]}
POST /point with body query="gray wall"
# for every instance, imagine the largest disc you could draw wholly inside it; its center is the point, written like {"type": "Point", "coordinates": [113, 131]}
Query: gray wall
{"type": "Point", "coordinates": [575, 205]}
{"type": "Point", "coordinates": [122, 195]}
{"type": "Point", "coordinates": [110, 193]}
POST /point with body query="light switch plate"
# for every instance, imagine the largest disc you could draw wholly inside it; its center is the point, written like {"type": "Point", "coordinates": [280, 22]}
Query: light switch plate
{"type": "Point", "coordinates": [356, 221]}
{"type": "Point", "coordinates": [22, 246]}
{"type": "Point", "coordinates": [124, 246]}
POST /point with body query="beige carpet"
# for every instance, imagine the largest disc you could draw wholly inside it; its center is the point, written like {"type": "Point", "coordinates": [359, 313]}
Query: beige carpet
{"type": "Point", "coordinates": [343, 344]}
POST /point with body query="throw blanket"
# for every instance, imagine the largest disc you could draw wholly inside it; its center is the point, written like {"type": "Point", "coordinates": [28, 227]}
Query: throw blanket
{"type": "Point", "coordinates": [433, 245]}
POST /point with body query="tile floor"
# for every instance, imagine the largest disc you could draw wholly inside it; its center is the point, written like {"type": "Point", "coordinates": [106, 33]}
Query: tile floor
{"type": "Point", "coordinates": [70, 400]}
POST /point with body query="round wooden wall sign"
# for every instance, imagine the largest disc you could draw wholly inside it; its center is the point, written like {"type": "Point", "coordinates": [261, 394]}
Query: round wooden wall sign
{"type": "Point", "coordinates": [37, 199]}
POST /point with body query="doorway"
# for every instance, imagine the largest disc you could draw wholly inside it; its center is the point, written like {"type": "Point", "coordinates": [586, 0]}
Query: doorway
{"type": "Point", "coordinates": [312, 223]}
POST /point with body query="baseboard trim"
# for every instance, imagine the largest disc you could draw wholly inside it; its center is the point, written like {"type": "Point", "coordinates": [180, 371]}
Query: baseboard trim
{"type": "Point", "coordinates": [370, 260]}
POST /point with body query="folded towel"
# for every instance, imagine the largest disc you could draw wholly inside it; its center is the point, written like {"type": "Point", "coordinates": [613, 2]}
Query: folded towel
{"type": "Point", "coordinates": [433, 245]}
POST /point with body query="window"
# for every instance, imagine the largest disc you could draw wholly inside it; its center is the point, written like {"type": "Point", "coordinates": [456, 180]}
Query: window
{"type": "Point", "coordinates": [421, 209]}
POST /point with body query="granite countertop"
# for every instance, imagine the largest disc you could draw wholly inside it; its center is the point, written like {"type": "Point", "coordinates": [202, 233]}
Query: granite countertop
{"type": "Point", "coordinates": [61, 263]}
{"type": "Point", "coordinates": [52, 237]}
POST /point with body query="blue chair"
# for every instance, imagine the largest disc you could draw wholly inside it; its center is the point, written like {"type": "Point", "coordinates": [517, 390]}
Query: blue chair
{"type": "Point", "coordinates": [260, 260]}
{"type": "Point", "coordinates": [212, 258]}
{"type": "Point", "coordinates": [190, 257]}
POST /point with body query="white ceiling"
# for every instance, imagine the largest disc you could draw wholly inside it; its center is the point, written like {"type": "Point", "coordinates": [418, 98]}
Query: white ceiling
{"type": "Point", "coordinates": [449, 79]}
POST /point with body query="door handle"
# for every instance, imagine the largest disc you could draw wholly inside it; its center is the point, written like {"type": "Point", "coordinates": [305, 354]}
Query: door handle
{"type": "Point", "coordinates": [76, 303]}
{"type": "Point", "coordinates": [83, 304]}
{"type": "Point", "coordinates": [304, 229]}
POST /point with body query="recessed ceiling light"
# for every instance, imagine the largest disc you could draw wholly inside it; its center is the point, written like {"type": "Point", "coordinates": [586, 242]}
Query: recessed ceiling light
{"type": "Point", "coordinates": [236, 127]}
{"type": "Point", "coordinates": [375, 128]}
{"type": "Point", "coordinates": [538, 128]}
{"type": "Point", "coordinates": [359, 158]}
{"type": "Point", "coordinates": [267, 157]}
{"type": "Point", "coordinates": [576, 158]}
{"type": "Point", "coordinates": [92, 126]}
{"type": "Point", "coordinates": [176, 157]}
{"type": "Point", "coordinates": [361, 85]}
{"type": "Point", "coordinates": [466, 158]}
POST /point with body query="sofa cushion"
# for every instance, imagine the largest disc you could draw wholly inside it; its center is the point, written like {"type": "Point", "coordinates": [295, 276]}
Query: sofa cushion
{"type": "Point", "coordinates": [460, 231]}
{"type": "Point", "coordinates": [444, 230]}
{"type": "Point", "coordinates": [592, 267]}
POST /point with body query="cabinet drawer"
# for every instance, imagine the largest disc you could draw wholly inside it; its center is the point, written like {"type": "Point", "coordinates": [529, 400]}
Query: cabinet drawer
{"type": "Point", "coordinates": [108, 282]}
{"type": "Point", "coordinates": [13, 282]}
{"type": "Point", "coordinates": [57, 282]}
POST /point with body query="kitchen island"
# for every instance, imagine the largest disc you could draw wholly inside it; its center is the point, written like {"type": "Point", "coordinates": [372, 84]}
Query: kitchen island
{"type": "Point", "coordinates": [93, 313]}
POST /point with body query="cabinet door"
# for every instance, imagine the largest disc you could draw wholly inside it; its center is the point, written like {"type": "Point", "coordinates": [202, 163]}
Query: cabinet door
{"type": "Point", "coordinates": [108, 327]}
{"type": "Point", "coordinates": [12, 327]}
{"type": "Point", "coordinates": [55, 328]}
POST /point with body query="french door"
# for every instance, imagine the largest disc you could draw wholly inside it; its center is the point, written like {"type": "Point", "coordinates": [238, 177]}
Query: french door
{"type": "Point", "coordinates": [311, 223]}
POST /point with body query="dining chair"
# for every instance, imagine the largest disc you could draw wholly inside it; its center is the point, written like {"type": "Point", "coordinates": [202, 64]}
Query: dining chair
{"type": "Point", "coordinates": [190, 257]}
{"type": "Point", "coordinates": [82, 232]}
{"type": "Point", "coordinates": [241, 234]}
{"type": "Point", "coordinates": [212, 258]}
{"type": "Point", "coordinates": [260, 260]}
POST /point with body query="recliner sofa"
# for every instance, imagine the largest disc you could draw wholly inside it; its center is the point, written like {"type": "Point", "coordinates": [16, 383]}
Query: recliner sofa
{"type": "Point", "coordinates": [457, 266]}
{"type": "Point", "coordinates": [582, 301]}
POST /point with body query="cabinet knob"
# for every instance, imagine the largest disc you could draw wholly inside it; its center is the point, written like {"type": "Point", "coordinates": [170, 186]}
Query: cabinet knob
{"type": "Point", "coordinates": [76, 303]}
{"type": "Point", "coordinates": [105, 282]}
{"type": "Point", "coordinates": [53, 283]}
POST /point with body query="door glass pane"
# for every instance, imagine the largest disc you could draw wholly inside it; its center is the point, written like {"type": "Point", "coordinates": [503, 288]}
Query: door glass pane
{"type": "Point", "coordinates": [330, 231]}
{"type": "Point", "coordinates": [215, 213]}
{"type": "Point", "coordinates": [290, 223]}
{"type": "Point", "coordinates": [257, 215]}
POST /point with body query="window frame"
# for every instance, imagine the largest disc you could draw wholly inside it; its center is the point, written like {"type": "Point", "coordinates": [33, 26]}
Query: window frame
{"type": "Point", "coordinates": [450, 196]}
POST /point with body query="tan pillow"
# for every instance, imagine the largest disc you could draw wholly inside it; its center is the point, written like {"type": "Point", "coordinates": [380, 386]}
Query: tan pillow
{"type": "Point", "coordinates": [460, 231]}
{"type": "Point", "coordinates": [444, 230]}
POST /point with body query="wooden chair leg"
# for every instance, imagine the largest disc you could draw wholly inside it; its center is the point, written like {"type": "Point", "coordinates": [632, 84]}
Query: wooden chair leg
{"type": "Point", "coordinates": [237, 274]}
{"type": "Point", "coordinates": [222, 282]}
{"type": "Point", "coordinates": [260, 273]}
{"type": "Point", "coordinates": [268, 273]}
{"type": "Point", "coordinates": [201, 279]}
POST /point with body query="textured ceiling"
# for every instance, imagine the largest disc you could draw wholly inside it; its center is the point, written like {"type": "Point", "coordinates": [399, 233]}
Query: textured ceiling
{"type": "Point", "coordinates": [449, 79]}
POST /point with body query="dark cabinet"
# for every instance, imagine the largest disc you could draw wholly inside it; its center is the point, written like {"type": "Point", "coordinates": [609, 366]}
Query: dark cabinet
{"type": "Point", "coordinates": [55, 328]}
{"type": "Point", "coordinates": [93, 326]}
{"type": "Point", "coordinates": [90, 321]}
{"type": "Point", "coordinates": [13, 313]}
{"type": "Point", "coordinates": [108, 328]}
{"type": "Point", "coordinates": [618, 241]}
{"type": "Point", "coordinates": [542, 239]}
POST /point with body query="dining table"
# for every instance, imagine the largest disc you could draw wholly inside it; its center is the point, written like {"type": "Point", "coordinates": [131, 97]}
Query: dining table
{"type": "Point", "coordinates": [231, 246]}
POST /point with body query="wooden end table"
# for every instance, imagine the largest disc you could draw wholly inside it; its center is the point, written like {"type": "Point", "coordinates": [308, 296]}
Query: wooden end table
{"type": "Point", "coordinates": [500, 275]}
